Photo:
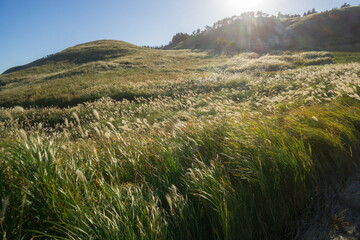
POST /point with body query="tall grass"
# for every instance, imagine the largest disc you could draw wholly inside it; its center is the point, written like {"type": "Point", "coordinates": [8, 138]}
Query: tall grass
{"type": "Point", "coordinates": [234, 157]}
{"type": "Point", "coordinates": [203, 180]}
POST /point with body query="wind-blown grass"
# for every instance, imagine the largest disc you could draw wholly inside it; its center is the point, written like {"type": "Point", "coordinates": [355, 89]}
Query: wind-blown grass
{"type": "Point", "coordinates": [235, 156]}
{"type": "Point", "coordinates": [209, 175]}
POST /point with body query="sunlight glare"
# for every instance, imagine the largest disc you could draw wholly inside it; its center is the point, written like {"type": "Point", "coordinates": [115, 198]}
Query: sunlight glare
{"type": "Point", "coordinates": [252, 5]}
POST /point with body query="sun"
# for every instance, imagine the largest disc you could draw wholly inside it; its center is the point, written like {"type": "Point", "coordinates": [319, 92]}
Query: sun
{"type": "Point", "coordinates": [249, 5]}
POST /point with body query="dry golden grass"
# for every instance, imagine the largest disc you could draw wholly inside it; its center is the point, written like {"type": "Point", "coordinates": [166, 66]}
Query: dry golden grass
{"type": "Point", "coordinates": [224, 153]}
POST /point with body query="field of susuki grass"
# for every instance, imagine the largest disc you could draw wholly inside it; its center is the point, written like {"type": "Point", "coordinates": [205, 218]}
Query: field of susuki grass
{"type": "Point", "coordinates": [236, 152]}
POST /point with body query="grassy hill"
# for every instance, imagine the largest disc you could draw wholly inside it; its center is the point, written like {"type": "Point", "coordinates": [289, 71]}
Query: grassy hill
{"type": "Point", "coordinates": [93, 70]}
{"type": "Point", "coordinates": [120, 70]}
{"type": "Point", "coordinates": [331, 30]}
{"type": "Point", "coordinates": [80, 54]}
{"type": "Point", "coordinates": [242, 152]}
{"type": "Point", "coordinates": [337, 30]}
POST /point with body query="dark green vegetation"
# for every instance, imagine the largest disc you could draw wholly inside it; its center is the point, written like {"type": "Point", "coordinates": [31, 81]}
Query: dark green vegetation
{"type": "Point", "coordinates": [345, 57]}
{"type": "Point", "coordinates": [335, 30]}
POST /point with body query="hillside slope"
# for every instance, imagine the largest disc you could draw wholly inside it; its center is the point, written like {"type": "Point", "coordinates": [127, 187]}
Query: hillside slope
{"type": "Point", "coordinates": [197, 164]}
{"type": "Point", "coordinates": [93, 70]}
{"type": "Point", "coordinates": [331, 30]}
{"type": "Point", "coordinates": [80, 54]}
{"type": "Point", "coordinates": [337, 29]}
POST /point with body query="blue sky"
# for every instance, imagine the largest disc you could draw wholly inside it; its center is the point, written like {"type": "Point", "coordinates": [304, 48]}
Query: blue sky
{"type": "Point", "coordinates": [33, 29]}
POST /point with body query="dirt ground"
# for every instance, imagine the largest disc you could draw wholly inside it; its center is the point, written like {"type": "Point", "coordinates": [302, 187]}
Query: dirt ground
{"type": "Point", "coordinates": [336, 215]}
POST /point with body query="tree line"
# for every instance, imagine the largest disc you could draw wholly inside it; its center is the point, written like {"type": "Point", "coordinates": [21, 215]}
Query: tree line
{"type": "Point", "coordinates": [179, 37]}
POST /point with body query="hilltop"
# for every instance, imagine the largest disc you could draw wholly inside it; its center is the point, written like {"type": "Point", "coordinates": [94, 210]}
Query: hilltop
{"type": "Point", "coordinates": [337, 29]}
{"type": "Point", "coordinates": [102, 50]}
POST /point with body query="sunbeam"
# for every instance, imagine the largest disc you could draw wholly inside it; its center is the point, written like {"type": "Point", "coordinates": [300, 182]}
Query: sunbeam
{"type": "Point", "coordinates": [246, 5]}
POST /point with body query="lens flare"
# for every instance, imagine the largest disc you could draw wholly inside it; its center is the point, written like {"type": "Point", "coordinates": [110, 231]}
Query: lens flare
{"type": "Point", "coordinates": [246, 5]}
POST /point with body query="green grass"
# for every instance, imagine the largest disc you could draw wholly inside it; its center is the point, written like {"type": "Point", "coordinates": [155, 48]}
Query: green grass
{"type": "Point", "coordinates": [235, 153]}
{"type": "Point", "coordinates": [345, 57]}
{"type": "Point", "coordinates": [206, 180]}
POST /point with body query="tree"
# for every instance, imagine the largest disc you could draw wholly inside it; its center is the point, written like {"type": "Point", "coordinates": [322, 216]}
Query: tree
{"type": "Point", "coordinates": [345, 5]}
{"type": "Point", "coordinates": [179, 37]}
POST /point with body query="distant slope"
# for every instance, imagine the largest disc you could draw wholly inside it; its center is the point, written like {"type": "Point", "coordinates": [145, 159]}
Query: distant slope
{"type": "Point", "coordinates": [332, 30]}
{"type": "Point", "coordinates": [337, 30]}
{"type": "Point", "coordinates": [101, 50]}
{"type": "Point", "coordinates": [89, 71]}
{"type": "Point", "coordinates": [243, 34]}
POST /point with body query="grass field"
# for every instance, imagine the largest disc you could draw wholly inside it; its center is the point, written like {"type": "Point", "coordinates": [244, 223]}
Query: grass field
{"type": "Point", "coordinates": [98, 69]}
{"type": "Point", "coordinates": [192, 146]}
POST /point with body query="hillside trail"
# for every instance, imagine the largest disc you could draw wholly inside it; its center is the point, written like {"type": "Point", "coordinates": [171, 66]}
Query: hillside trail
{"type": "Point", "coordinates": [337, 216]}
